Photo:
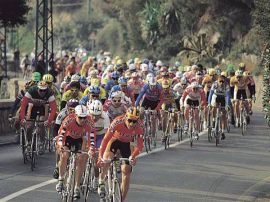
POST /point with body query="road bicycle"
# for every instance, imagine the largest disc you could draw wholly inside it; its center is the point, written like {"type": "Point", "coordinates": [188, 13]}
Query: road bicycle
{"type": "Point", "coordinates": [149, 133]}
{"type": "Point", "coordinates": [169, 127]}
{"type": "Point", "coordinates": [191, 125]}
{"type": "Point", "coordinates": [243, 116]}
{"type": "Point", "coordinates": [112, 182]}
{"type": "Point", "coordinates": [180, 125]}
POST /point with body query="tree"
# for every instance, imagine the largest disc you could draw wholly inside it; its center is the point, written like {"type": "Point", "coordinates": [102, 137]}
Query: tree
{"type": "Point", "coordinates": [12, 14]}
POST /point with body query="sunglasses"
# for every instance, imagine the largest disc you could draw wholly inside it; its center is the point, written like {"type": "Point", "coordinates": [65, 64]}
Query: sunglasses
{"type": "Point", "coordinates": [132, 121]}
{"type": "Point", "coordinates": [222, 81]}
{"type": "Point", "coordinates": [123, 86]}
{"type": "Point", "coordinates": [116, 100]}
{"type": "Point", "coordinates": [94, 95]}
{"type": "Point", "coordinates": [81, 117]}
{"type": "Point", "coordinates": [115, 78]}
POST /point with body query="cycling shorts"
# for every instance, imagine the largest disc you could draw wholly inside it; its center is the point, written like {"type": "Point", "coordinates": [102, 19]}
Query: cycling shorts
{"type": "Point", "coordinates": [194, 103]}
{"type": "Point", "coordinates": [123, 147]}
{"type": "Point", "coordinates": [241, 93]}
{"type": "Point", "coordinates": [99, 139]}
{"type": "Point", "coordinates": [70, 142]}
{"type": "Point", "coordinates": [149, 104]}
{"type": "Point", "coordinates": [218, 100]}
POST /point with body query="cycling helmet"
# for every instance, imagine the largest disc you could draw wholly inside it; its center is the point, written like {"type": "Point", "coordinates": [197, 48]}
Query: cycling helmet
{"type": "Point", "coordinates": [95, 81]}
{"type": "Point", "coordinates": [115, 88]}
{"type": "Point", "coordinates": [165, 73]}
{"type": "Point", "coordinates": [144, 67]}
{"type": "Point", "coordinates": [93, 72]}
{"type": "Point", "coordinates": [95, 107]}
{"type": "Point", "coordinates": [122, 81]}
{"type": "Point", "coordinates": [230, 68]}
{"type": "Point", "coordinates": [133, 113]}
{"type": "Point", "coordinates": [47, 78]}
{"type": "Point", "coordinates": [75, 84]}
{"type": "Point", "coordinates": [36, 76]}
{"type": "Point", "coordinates": [223, 74]}
{"type": "Point", "coordinates": [152, 81]}
{"type": "Point", "coordinates": [207, 79]}
{"type": "Point", "coordinates": [145, 61]}
{"type": "Point", "coordinates": [177, 64]}
{"type": "Point", "coordinates": [165, 84]}
{"type": "Point", "coordinates": [137, 60]}
{"type": "Point", "coordinates": [94, 89]}
{"type": "Point", "coordinates": [75, 77]}
{"type": "Point", "coordinates": [119, 61]}
{"type": "Point", "coordinates": [149, 75]}
{"type": "Point", "coordinates": [115, 75]}
{"type": "Point", "coordinates": [238, 73]}
{"type": "Point", "coordinates": [131, 67]}
{"type": "Point", "coordinates": [194, 67]}
{"type": "Point", "coordinates": [42, 85]}
{"type": "Point", "coordinates": [72, 103]}
{"type": "Point", "coordinates": [194, 84]}
{"type": "Point", "coordinates": [117, 94]}
{"type": "Point", "coordinates": [163, 69]}
{"type": "Point", "coordinates": [242, 65]}
{"type": "Point", "coordinates": [159, 63]}
{"type": "Point", "coordinates": [81, 111]}
{"type": "Point", "coordinates": [211, 71]}
{"type": "Point", "coordinates": [178, 75]}
{"type": "Point", "coordinates": [183, 81]}
{"type": "Point", "coordinates": [83, 80]}
{"type": "Point", "coordinates": [199, 74]}
{"type": "Point", "coordinates": [110, 68]}
{"type": "Point", "coordinates": [118, 67]}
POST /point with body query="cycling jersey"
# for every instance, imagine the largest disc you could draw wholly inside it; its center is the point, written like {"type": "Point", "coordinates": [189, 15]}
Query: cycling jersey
{"type": "Point", "coordinates": [129, 93]}
{"type": "Point", "coordinates": [118, 131]}
{"type": "Point", "coordinates": [61, 116]}
{"type": "Point", "coordinates": [32, 96]}
{"type": "Point", "coordinates": [82, 87]}
{"type": "Point", "coordinates": [189, 94]}
{"type": "Point", "coordinates": [68, 95]}
{"type": "Point", "coordinates": [102, 94]}
{"type": "Point", "coordinates": [179, 90]}
{"type": "Point", "coordinates": [136, 86]}
{"type": "Point", "coordinates": [168, 100]}
{"type": "Point", "coordinates": [220, 92]}
{"type": "Point", "coordinates": [113, 111]}
{"type": "Point", "coordinates": [70, 128]}
{"type": "Point", "coordinates": [153, 94]}
{"type": "Point", "coordinates": [189, 76]}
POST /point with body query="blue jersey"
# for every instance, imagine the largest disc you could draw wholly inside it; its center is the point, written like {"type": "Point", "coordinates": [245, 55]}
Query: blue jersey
{"type": "Point", "coordinates": [150, 94]}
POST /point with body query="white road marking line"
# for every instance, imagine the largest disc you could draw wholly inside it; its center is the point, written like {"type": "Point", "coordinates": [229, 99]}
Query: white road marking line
{"type": "Point", "coordinates": [28, 189]}
{"type": "Point", "coordinates": [31, 188]}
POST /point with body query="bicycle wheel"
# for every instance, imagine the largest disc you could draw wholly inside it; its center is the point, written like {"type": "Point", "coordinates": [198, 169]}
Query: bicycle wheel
{"type": "Point", "coordinates": [33, 152]}
{"type": "Point", "coordinates": [217, 127]}
{"type": "Point", "coordinates": [68, 196]}
{"type": "Point", "coordinates": [88, 179]}
{"type": "Point", "coordinates": [209, 133]}
{"type": "Point", "coordinates": [117, 195]}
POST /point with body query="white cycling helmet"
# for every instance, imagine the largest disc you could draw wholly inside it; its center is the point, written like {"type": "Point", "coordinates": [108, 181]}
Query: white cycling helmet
{"type": "Point", "coordinates": [75, 77]}
{"type": "Point", "coordinates": [178, 75]}
{"type": "Point", "coordinates": [81, 111]}
{"type": "Point", "coordinates": [152, 81]}
{"type": "Point", "coordinates": [194, 84]}
{"type": "Point", "coordinates": [144, 67]}
{"type": "Point", "coordinates": [131, 67]}
{"type": "Point", "coordinates": [148, 76]}
{"type": "Point", "coordinates": [183, 80]}
{"type": "Point", "coordinates": [238, 73]}
{"type": "Point", "coordinates": [117, 94]}
{"type": "Point", "coordinates": [159, 63]}
{"type": "Point", "coordinates": [95, 107]}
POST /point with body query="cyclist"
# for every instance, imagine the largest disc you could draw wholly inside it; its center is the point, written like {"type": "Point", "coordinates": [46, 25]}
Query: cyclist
{"type": "Point", "coordinates": [76, 130]}
{"type": "Point", "coordinates": [35, 100]}
{"type": "Point", "coordinates": [73, 93]}
{"type": "Point", "coordinates": [64, 83]}
{"type": "Point", "coordinates": [122, 131]}
{"type": "Point", "coordinates": [179, 90]}
{"type": "Point", "coordinates": [193, 96]}
{"type": "Point", "coordinates": [36, 76]}
{"type": "Point", "coordinates": [114, 81]}
{"type": "Point", "coordinates": [93, 94]}
{"type": "Point", "coordinates": [122, 81]}
{"type": "Point", "coordinates": [135, 84]}
{"type": "Point", "coordinates": [101, 123]}
{"type": "Point", "coordinates": [251, 88]}
{"type": "Point", "coordinates": [241, 91]}
{"type": "Point", "coordinates": [48, 78]}
{"type": "Point", "coordinates": [115, 106]}
{"type": "Point", "coordinates": [192, 73]}
{"type": "Point", "coordinates": [220, 96]}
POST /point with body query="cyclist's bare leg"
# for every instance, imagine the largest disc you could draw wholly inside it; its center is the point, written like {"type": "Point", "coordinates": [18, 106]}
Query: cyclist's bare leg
{"type": "Point", "coordinates": [223, 120]}
{"type": "Point", "coordinates": [105, 167]}
{"type": "Point", "coordinates": [186, 114]}
{"type": "Point", "coordinates": [236, 108]}
{"type": "Point", "coordinates": [80, 167]}
{"type": "Point", "coordinates": [153, 122]}
{"type": "Point", "coordinates": [62, 164]}
{"type": "Point", "coordinates": [197, 119]}
{"type": "Point", "coordinates": [126, 170]}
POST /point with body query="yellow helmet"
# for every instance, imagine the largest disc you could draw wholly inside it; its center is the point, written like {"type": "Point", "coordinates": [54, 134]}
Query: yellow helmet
{"type": "Point", "coordinates": [119, 61]}
{"type": "Point", "coordinates": [242, 65]}
{"type": "Point", "coordinates": [95, 81]}
{"type": "Point", "coordinates": [137, 60]}
{"type": "Point", "coordinates": [207, 79]}
{"type": "Point", "coordinates": [133, 113]}
{"type": "Point", "coordinates": [211, 71]}
{"type": "Point", "coordinates": [223, 74]}
{"type": "Point", "coordinates": [47, 78]}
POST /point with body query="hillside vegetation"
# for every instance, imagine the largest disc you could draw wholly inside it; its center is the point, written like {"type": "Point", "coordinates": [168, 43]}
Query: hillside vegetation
{"type": "Point", "coordinates": [209, 31]}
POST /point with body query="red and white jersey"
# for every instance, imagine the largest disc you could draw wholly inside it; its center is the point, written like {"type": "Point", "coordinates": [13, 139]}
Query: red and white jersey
{"type": "Point", "coordinates": [190, 94]}
{"type": "Point", "coordinates": [190, 76]}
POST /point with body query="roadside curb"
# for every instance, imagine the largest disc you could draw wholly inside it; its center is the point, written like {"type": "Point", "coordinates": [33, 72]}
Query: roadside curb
{"type": "Point", "coordinates": [9, 139]}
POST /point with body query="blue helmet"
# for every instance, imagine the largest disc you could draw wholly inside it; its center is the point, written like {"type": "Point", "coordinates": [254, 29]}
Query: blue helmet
{"type": "Point", "coordinates": [122, 80]}
{"type": "Point", "coordinates": [115, 75]}
{"type": "Point", "coordinates": [94, 89]}
{"type": "Point", "coordinates": [83, 80]}
{"type": "Point", "coordinates": [115, 88]}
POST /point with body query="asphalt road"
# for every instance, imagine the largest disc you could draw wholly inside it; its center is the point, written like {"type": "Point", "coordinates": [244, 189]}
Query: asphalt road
{"type": "Point", "coordinates": [236, 170]}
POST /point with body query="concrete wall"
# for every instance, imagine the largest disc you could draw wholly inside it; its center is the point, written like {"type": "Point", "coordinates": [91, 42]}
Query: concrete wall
{"type": "Point", "coordinates": [5, 106]}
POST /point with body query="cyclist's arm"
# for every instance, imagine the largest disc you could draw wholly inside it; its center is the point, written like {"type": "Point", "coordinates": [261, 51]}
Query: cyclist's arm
{"type": "Point", "coordinates": [228, 97]}
{"type": "Point", "coordinates": [210, 96]}
{"type": "Point", "coordinates": [17, 102]}
{"type": "Point", "coordinates": [53, 107]}
{"type": "Point", "coordinates": [106, 139]}
{"type": "Point", "coordinates": [24, 104]}
{"type": "Point", "coordinates": [140, 96]}
{"type": "Point", "coordinates": [84, 100]}
{"type": "Point", "coordinates": [203, 97]}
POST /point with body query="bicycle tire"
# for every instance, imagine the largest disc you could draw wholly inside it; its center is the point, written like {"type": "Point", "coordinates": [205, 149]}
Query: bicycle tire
{"type": "Point", "coordinates": [33, 152]}
{"type": "Point", "coordinates": [209, 133]}
{"type": "Point", "coordinates": [217, 130]}
{"type": "Point", "coordinates": [149, 143]}
{"type": "Point", "coordinates": [70, 186]}
{"type": "Point", "coordinates": [117, 195]}
{"type": "Point", "coordinates": [179, 134]}
{"type": "Point", "coordinates": [23, 146]}
{"type": "Point", "coordinates": [87, 182]}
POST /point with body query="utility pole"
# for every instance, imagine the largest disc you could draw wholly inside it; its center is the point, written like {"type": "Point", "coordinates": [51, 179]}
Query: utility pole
{"type": "Point", "coordinates": [3, 49]}
{"type": "Point", "coordinates": [89, 7]}
{"type": "Point", "coordinates": [44, 31]}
